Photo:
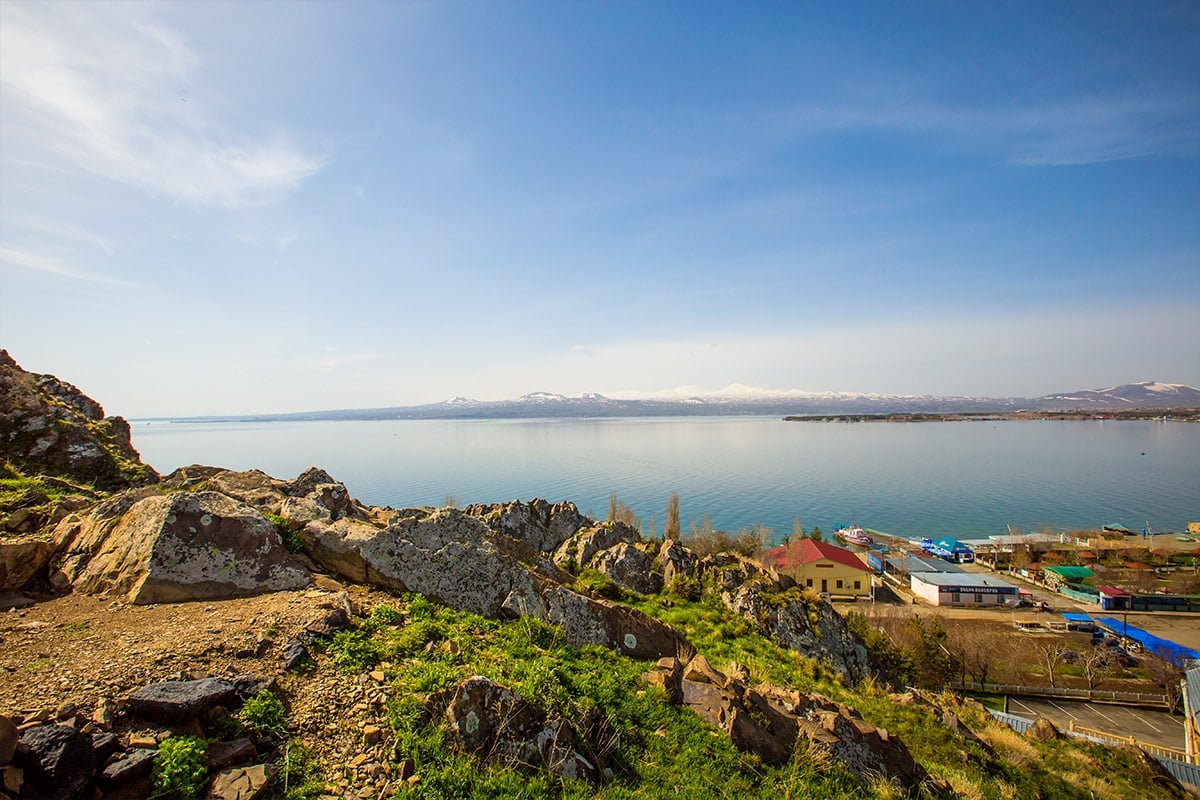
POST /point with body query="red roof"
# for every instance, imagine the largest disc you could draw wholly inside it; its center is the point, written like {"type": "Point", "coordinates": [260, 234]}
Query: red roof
{"type": "Point", "coordinates": [807, 551]}
{"type": "Point", "coordinates": [1112, 591]}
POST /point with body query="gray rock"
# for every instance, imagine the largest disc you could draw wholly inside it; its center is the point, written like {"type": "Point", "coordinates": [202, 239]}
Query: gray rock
{"type": "Point", "coordinates": [332, 621]}
{"type": "Point", "coordinates": [585, 544]}
{"type": "Point", "coordinates": [175, 702]}
{"type": "Point", "coordinates": [675, 561]}
{"type": "Point", "coordinates": [542, 526]}
{"type": "Point", "coordinates": [294, 655]}
{"type": "Point", "coordinates": [629, 567]}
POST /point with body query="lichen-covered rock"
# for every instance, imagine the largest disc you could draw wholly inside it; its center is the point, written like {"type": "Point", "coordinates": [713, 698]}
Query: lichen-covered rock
{"type": "Point", "coordinates": [811, 628]}
{"type": "Point", "coordinates": [48, 426]}
{"type": "Point", "coordinates": [542, 526]}
{"type": "Point", "coordinates": [629, 567]}
{"type": "Point", "coordinates": [494, 722]}
{"type": "Point", "coordinates": [675, 561]}
{"type": "Point", "coordinates": [622, 629]}
{"type": "Point", "coordinates": [177, 547]}
{"type": "Point", "coordinates": [586, 543]}
{"type": "Point", "coordinates": [447, 555]}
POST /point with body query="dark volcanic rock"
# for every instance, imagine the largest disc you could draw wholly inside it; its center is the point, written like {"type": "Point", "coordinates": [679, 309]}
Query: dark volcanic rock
{"type": "Point", "coordinates": [58, 762]}
{"type": "Point", "coordinates": [132, 766]}
{"type": "Point", "coordinates": [175, 702]}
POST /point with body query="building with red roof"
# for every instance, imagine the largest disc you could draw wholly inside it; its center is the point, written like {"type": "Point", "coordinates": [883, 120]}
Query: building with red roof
{"type": "Point", "coordinates": [821, 566]}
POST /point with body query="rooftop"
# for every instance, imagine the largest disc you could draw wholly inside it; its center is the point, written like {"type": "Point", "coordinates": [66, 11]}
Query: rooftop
{"type": "Point", "coordinates": [807, 551]}
{"type": "Point", "coordinates": [967, 580]}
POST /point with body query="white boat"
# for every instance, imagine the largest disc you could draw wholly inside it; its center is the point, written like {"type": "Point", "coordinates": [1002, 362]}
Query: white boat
{"type": "Point", "coordinates": [854, 535]}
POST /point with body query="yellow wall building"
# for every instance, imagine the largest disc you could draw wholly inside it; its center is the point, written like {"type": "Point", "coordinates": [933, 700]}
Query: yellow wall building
{"type": "Point", "coordinates": [820, 566]}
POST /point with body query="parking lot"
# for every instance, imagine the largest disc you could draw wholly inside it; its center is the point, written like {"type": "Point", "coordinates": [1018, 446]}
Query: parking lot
{"type": "Point", "coordinates": [1155, 727]}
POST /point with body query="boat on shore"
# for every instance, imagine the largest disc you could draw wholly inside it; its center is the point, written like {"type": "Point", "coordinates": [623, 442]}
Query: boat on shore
{"type": "Point", "coordinates": [854, 535]}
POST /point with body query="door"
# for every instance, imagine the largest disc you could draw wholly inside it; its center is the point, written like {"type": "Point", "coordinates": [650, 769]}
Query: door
{"type": "Point", "coordinates": [824, 584]}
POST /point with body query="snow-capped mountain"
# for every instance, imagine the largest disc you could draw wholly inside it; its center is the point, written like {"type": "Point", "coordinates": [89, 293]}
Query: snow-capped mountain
{"type": "Point", "coordinates": [739, 399]}
{"type": "Point", "coordinates": [1147, 394]}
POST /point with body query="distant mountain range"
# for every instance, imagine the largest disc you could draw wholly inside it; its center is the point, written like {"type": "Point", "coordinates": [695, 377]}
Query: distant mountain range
{"type": "Point", "coordinates": [742, 400]}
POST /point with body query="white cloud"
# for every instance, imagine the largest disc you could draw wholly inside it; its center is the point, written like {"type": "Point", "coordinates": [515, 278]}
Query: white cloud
{"type": "Point", "coordinates": [103, 87]}
{"type": "Point", "coordinates": [49, 264]}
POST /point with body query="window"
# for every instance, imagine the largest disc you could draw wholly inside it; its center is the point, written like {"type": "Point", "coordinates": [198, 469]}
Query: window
{"type": "Point", "coordinates": [839, 583]}
{"type": "Point", "coordinates": [808, 583]}
{"type": "Point", "coordinates": [858, 584]}
{"type": "Point", "coordinates": [979, 599]}
{"type": "Point", "coordinates": [956, 598]}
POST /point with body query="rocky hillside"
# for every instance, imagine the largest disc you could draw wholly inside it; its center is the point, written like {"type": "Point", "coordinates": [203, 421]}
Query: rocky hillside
{"type": "Point", "coordinates": [230, 634]}
{"type": "Point", "coordinates": [49, 427]}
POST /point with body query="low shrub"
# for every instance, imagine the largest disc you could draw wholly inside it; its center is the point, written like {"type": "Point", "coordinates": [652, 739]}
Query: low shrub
{"type": "Point", "coordinates": [179, 772]}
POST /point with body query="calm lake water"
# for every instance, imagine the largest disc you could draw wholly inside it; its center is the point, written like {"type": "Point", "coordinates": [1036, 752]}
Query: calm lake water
{"type": "Point", "coordinates": [964, 479]}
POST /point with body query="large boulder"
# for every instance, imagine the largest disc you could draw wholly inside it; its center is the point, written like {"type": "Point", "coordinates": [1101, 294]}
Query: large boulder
{"type": "Point", "coordinates": [176, 547]}
{"type": "Point", "coordinates": [22, 560]}
{"type": "Point", "coordinates": [48, 426]}
{"type": "Point", "coordinates": [542, 526]}
{"type": "Point", "coordinates": [446, 555]}
{"type": "Point", "coordinates": [58, 762]}
{"type": "Point", "coordinates": [629, 567]}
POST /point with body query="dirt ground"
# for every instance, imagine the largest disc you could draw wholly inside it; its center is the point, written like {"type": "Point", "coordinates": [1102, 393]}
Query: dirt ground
{"type": "Point", "coordinates": [62, 656]}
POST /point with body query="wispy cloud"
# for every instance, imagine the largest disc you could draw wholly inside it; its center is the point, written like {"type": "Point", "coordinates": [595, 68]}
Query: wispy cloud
{"type": "Point", "coordinates": [1077, 131]}
{"type": "Point", "coordinates": [100, 85]}
{"type": "Point", "coordinates": [49, 264]}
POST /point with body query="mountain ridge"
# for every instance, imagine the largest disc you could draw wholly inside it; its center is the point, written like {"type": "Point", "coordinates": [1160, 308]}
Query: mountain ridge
{"type": "Point", "coordinates": [745, 400]}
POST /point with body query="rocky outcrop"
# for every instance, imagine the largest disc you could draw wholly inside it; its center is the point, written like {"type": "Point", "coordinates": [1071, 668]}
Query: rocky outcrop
{"type": "Point", "coordinates": [542, 526]}
{"type": "Point", "coordinates": [495, 723]}
{"type": "Point", "coordinates": [809, 627]}
{"type": "Point", "coordinates": [675, 560]}
{"type": "Point", "coordinates": [579, 550]}
{"type": "Point", "coordinates": [455, 558]}
{"type": "Point", "coordinates": [49, 427]}
{"type": "Point", "coordinates": [768, 721]}
{"type": "Point", "coordinates": [629, 567]}
{"type": "Point", "coordinates": [176, 547]}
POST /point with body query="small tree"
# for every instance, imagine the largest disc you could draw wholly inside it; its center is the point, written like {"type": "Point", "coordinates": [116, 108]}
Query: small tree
{"type": "Point", "coordinates": [1167, 674]}
{"type": "Point", "coordinates": [649, 532]}
{"type": "Point", "coordinates": [1049, 656]}
{"type": "Point", "coordinates": [671, 526]}
{"type": "Point", "coordinates": [816, 535]}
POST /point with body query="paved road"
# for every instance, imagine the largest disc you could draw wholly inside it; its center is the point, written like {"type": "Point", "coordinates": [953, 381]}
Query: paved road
{"type": "Point", "coordinates": [1156, 727]}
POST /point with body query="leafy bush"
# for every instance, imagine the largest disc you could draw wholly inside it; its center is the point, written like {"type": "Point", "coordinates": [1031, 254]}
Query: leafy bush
{"type": "Point", "coordinates": [289, 532]}
{"type": "Point", "coordinates": [353, 651]}
{"type": "Point", "coordinates": [179, 772]}
{"type": "Point", "coordinates": [265, 713]}
{"type": "Point", "coordinates": [597, 584]}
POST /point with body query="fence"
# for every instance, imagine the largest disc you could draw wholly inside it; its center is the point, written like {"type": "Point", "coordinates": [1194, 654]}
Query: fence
{"type": "Point", "coordinates": [1172, 759]}
{"type": "Point", "coordinates": [1092, 695]}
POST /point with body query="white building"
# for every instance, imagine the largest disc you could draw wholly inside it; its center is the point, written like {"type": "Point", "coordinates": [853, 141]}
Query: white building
{"type": "Point", "coordinates": [962, 589]}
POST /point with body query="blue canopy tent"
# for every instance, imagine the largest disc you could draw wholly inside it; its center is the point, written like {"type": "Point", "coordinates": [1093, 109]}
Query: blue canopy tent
{"type": "Point", "coordinates": [1163, 648]}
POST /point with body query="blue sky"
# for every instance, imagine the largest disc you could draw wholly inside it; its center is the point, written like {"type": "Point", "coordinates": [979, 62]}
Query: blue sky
{"type": "Point", "coordinates": [224, 208]}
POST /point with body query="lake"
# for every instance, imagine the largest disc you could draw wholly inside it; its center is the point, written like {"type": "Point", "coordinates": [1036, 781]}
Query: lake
{"type": "Point", "coordinates": [963, 479]}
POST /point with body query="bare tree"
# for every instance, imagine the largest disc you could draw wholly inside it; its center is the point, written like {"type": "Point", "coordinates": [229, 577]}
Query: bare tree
{"type": "Point", "coordinates": [671, 526]}
{"type": "Point", "coordinates": [1094, 663]}
{"type": "Point", "coordinates": [975, 649]}
{"type": "Point", "coordinates": [1049, 656]}
{"type": "Point", "coordinates": [1166, 674]}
